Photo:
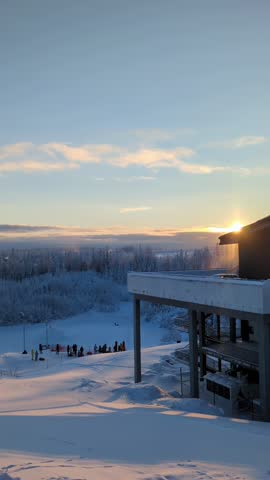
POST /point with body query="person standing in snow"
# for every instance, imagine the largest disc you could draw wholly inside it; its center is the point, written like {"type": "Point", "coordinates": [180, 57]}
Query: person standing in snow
{"type": "Point", "coordinates": [33, 354]}
{"type": "Point", "coordinates": [40, 348]}
{"type": "Point", "coordinates": [95, 348]}
{"type": "Point", "coordinates": [36, 356]}
{"type": "Point", "coordinates": [68, 350]}
{"type": "Point", "coordinates": [57, 348]}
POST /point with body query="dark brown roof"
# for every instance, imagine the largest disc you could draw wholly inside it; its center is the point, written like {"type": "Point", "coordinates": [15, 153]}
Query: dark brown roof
{"type": "Point", "coordinates": [234, 237]}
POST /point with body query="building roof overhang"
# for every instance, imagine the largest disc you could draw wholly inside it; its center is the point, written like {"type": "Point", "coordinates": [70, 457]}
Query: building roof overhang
{"type": "Point", "coordinates": [227, 295]}
{"type": "Point", "coordinates": [235, 237]}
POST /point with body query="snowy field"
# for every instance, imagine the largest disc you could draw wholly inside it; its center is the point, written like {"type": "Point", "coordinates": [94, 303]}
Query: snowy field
{"type": "Point", "coordinates": [84, 419]}
{"type": "Point", "coordinates": [85, 329]}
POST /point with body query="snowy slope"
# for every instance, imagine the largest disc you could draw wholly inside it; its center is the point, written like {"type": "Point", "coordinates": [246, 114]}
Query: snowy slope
{"type": "Point", "coordinates": [83, 418]}
{"type": "Point", "coordinates": [84, 329]}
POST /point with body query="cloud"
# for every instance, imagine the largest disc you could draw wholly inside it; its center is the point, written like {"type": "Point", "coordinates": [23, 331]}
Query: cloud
{"type": "Point", "coordinates": [153, 158]}
{"type": "Point", "coordinates": [56, 157]}
{"type": "Point", "coordinates": [13, 150]}
{"type": "Point", "coordinates": [240, 142]}
{"type": "Point", "coordinates": [156, 135]}
{"type": "Point", "coordinates": [34, 166]}
{"type": "Point", "coordinates": [134, 209]}
{"type": "Point", "coordinates": [73, 237]}
{"type": "Point", "coordinates": [141, 178]}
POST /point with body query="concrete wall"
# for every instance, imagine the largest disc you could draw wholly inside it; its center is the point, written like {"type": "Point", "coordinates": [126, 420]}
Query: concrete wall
{"type": "Point", "coordinates": [235, 294]}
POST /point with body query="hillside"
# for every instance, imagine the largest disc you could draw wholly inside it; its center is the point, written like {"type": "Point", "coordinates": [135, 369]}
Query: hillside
{"type": "Point", "coordinates": [84, 418]}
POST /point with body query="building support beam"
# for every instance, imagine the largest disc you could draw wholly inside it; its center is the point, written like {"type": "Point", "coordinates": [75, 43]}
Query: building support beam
{"type": "Point", "coordinates": [218, 326]}
{"type": "Point", "coordinates": [232, 329]}
{"type": "Point", "coordinates": [137, 340]}
{"type": "Point", "coordinates": [264, 365]}
{"type": "Point", "coordinates": [202, 324]}
{"type": "Point", "coordinates": [193, 348]}
{"type": "Point", "coordinates": [245, 330]}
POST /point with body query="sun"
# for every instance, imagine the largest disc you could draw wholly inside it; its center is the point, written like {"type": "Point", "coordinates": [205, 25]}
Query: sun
{"type": "Point", "coordinates": [236, 227]}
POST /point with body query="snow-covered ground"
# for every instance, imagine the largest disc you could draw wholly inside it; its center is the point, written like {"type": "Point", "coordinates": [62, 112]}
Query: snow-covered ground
{"type": "Point", "coordinates": [83, 418]}
{"type": "Point", "coordinates": [85, 329]}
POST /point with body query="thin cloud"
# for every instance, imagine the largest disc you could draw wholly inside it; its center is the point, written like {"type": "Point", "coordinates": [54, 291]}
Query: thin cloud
{"type": "Point", "coordinates": [15, 149]}
{"type": "Point", "coordinates": [141, 178]}
{"type": "Point", "coordinates": [27, 157]}
{"type": "Point", "coordinates": [240, 142]}
{"type": "Point", "coordinates": [35, 166]}
{"type": "Point", "coordinates": [134, 209]}
{"type": "Point", "coordinates": [156, 135]}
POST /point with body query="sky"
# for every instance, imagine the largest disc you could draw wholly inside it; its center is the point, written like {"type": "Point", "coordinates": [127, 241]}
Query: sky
{"type": "Point", "coordinates": [133, 117]}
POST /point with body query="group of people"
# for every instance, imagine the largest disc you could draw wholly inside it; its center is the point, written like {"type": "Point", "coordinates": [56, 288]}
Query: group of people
{"type": "Point", "coordinates": [121, 347]}
{"type": "Point", "coordinates": [74, 351]}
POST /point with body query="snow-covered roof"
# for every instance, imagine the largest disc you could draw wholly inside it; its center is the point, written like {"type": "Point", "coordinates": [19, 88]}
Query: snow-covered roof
{"type": "Point", "coordinates": [227, 293]}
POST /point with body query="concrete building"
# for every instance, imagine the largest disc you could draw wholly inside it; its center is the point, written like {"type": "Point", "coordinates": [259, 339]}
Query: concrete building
{"type": "Point", "coordinates": [229, 321]}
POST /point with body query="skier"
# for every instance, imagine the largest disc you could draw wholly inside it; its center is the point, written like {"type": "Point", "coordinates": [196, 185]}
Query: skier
{"type": "Point", "coordinates": [115, 347]}
{"type": "Point", "coordinates": [40, 348]}
{"type": "Point", "coordinates": [123, 346]}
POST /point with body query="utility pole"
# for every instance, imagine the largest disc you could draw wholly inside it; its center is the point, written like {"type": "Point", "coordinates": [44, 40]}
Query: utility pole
{"type": "Point", "coordinates": [22, 318]}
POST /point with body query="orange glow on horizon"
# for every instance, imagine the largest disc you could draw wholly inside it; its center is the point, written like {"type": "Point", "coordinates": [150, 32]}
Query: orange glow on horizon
{"type": "Point", "coordinates": [235, 227]}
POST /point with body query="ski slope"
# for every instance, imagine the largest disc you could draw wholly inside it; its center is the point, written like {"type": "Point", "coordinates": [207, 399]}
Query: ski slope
{"type": "Point", "coordinates": [83, 419]}
{"type": "Point", "coordinates": [85, 329]}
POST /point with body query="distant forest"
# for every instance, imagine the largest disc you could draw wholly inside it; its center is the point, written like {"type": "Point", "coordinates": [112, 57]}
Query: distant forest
{"type": "Point", "coordinates": [43, 284]}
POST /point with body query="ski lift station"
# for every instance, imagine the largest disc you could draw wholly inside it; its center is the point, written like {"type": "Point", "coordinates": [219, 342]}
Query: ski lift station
{"type": "Point", "coordinates": [229, 323]}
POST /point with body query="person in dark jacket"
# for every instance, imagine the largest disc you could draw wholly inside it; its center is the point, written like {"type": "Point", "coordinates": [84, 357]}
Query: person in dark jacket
{"type": "Point", "coordinates": [57, 348]}
{"type": "Point", "coordinates": [81, 352]}
{"type": "Point", "coordinates": [36, 355]}
{"type": "Point", "coordinates": [115, 347]}
{"type": "Point", "coordinates": [40, 348]}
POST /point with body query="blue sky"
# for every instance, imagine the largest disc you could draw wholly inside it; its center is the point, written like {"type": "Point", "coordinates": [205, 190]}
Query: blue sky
{"type": "Point", "coordinates": [134, 116]}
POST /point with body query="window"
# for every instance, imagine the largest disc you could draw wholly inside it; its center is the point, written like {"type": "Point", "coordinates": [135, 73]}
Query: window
{"type": "Point", "coordinates": [218, 389]}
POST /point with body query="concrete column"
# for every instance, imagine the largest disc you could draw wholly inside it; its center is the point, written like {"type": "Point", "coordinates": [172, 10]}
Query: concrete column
{"type": "Point", "coordinates": [232, 330]}
{"type": "Point", "coordinates": [202, 343]}
{"type": "Point", "coordinates": [264, 367]}
{"type": "Point", "coordinates": [137, 340]}
{"type": "Point", "coordinates": [245, 330]}
{"type": "Point", "coordinates": [218, 326]}
{"type": "Point", "coordinates": [193, 349]}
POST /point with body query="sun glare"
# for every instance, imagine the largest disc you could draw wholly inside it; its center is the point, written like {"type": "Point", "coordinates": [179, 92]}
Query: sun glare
{"type": "Point", "coordinates": [236, 227]}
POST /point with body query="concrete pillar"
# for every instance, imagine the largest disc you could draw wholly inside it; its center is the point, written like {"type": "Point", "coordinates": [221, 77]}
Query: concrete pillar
{"type": "Point", "coordinates": [193, 351]}
{"type": "Point", "coordinates": [232, 329]}
{"type": "Point", "coordinates": [137, 340]}
{"type": "Point", "coordinates": [202, 343]}
{"type": "Point", "coordinates": [218, 326]}
{"type": "Point", "coordinates": [264, 368]}
{"type": "Point", "coordinates": [245, 330]}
